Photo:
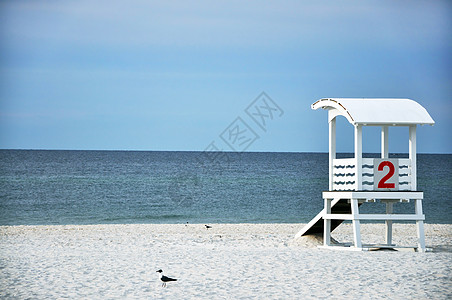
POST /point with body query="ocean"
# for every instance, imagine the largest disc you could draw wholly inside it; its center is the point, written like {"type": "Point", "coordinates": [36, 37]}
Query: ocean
{"type": "Point", "coordinates": [46, 187]}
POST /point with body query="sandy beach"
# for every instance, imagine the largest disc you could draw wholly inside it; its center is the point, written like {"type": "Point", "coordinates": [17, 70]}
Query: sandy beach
{"type": "Point", "coordinates": [227, 261]}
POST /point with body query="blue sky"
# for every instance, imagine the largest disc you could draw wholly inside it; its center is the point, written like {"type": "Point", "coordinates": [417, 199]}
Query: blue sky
{"type": "Point", "coordinates": [161, 75]}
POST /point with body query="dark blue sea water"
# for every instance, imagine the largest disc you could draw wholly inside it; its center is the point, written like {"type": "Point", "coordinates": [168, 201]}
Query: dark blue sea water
{"type": "Point", "coordinates": [98, 187]}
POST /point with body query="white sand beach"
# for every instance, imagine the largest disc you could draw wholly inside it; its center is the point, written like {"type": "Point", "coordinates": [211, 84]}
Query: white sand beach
{"type": "Point", "coordinates": [227, 261]}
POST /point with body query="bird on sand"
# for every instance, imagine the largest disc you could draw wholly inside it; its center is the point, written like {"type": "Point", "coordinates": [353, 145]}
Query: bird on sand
{"type": "Point", "coordinates": [207, 226]}
{"type": "Point", "coordinates": [164, 278]}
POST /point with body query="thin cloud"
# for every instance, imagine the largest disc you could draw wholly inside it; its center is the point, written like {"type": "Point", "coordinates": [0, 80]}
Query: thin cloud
{"type": "Point", "coordinates": [223, 24]}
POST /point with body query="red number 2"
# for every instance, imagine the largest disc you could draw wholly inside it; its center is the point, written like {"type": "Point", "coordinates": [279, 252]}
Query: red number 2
{"type": "Point", "coordinates": [383, 184]}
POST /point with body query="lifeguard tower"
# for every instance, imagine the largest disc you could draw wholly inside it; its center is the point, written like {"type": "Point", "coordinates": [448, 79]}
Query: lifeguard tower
{"type": "Point", "coordinates": [358, 180]}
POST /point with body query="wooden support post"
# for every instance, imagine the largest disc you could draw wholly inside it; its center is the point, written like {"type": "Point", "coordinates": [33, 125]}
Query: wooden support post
{"type": "Point", "coordinates": [356, 223]}
{"type": "Point", "coordinates": [332, 150]}
{"type": "Point", "coordinates": [359, 156]}
{"type": "Point", "coordinates": [384, 142]}
{"type": "Point", "coordinates": [420, 226]}
{"type": "Point", "coordinates": [412, 156]}
{"type": "Point", "coordinates": [389, 211]}
{"type": "Point", "coordinates": [327, 224]}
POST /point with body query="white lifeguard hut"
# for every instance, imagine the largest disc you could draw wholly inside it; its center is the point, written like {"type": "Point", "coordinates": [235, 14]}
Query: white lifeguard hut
{"type": "Point", "coordinates": [357, 180]}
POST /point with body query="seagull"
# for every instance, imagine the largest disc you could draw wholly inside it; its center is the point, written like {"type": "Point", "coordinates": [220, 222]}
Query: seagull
{"type": "Point", "coordinates": [207, 226]}
{"type": "Point", "coordinates": [164, 279]}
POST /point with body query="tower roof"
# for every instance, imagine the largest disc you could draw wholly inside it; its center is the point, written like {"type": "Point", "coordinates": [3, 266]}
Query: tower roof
{"type": "Point", "coordinates": [371, 111]}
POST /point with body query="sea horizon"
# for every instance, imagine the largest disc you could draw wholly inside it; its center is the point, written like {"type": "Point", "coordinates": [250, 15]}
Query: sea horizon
{"type": "Point", "coordinates": [62, 187]}
{"type": "Point", "coordinates": [228, 151]}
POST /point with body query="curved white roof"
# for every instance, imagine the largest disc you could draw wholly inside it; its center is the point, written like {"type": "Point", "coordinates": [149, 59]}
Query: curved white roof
{"type": "Point", "coordinates": [367, 111]}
